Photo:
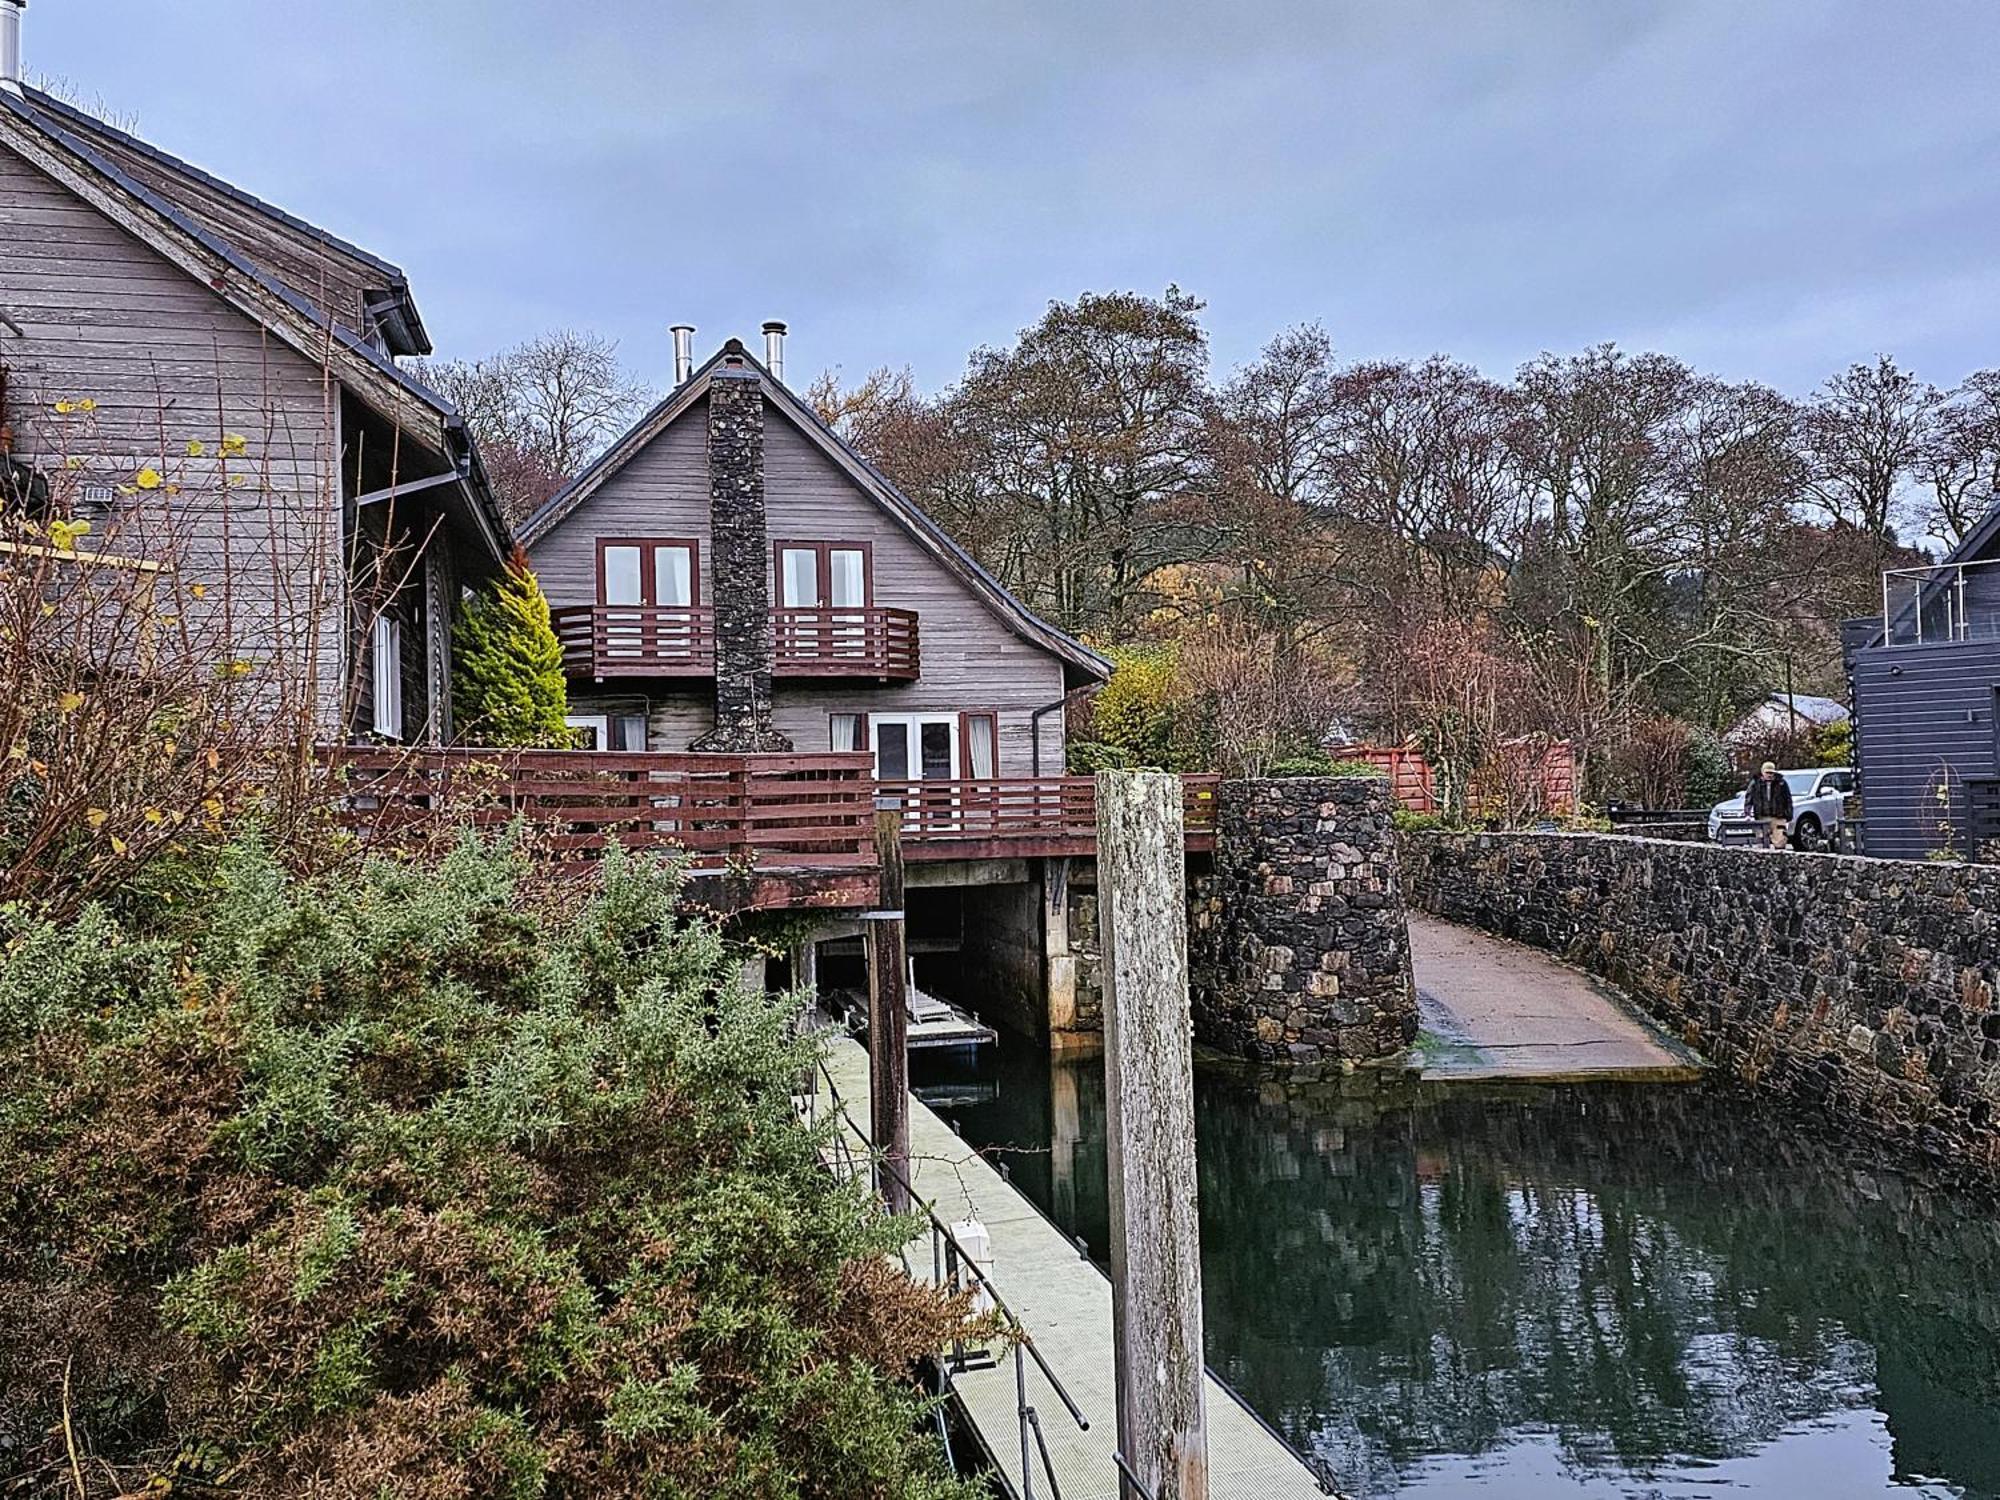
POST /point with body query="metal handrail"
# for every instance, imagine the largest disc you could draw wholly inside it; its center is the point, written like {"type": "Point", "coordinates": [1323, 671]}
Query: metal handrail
{"type": "Point", "coordinates": [949, 1260]}
{"type": "Point", "coordinates": [943, 1231]}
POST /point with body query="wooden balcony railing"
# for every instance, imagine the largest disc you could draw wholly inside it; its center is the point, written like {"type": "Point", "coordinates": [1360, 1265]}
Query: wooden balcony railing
{"type": "Point", "coordinates": [603, 641]}
{"type": "Point", "coordinates": [1021, 815]}
{"type": "Point", "coordinates": [790, 812]}
{"type": "Point", "coordinates": [872, 642]}
{"type": "Point", "coordinates": [775, 811]}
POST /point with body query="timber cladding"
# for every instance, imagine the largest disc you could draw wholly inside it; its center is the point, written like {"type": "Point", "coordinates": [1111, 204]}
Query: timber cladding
{"type": "Point", "coordinates": [1862, 989]}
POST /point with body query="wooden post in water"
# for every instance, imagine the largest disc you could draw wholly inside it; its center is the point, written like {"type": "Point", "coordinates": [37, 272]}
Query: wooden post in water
{"type": "Point", "coordinates": [888, 1016]}
{"type": "Point", "coordinates": [1149, 1092]}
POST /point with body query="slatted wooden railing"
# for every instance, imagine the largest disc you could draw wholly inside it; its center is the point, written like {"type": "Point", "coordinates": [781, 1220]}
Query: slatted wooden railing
{"type": "Point", "coordinates": [843, 642]}
{"type": "Point", "coordinates": [605, 641]}
{"type": "Point", "coordinates": [772, 811]}
{"type": "Point", "coordinates": [796, 812]}
{"type": "Point", "coordinates": [1021, 815]}
{"type": "Point", "coordinates": [602, 641]}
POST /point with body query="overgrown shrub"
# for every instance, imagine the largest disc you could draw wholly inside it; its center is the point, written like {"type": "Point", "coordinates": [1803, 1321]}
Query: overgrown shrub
{"type": "Point", "coordinates": [1142, 714]}
{"type": "Point", "coordinates": [389, 1187]}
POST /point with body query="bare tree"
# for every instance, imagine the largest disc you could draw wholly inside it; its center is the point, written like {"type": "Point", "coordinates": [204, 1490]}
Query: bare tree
{"type": "Point", "coordinates": [539, 411]}
{"type": "Point", "coordinates": [1960, 462]}
{"type": "Point", "coordinates": [1864, 432]}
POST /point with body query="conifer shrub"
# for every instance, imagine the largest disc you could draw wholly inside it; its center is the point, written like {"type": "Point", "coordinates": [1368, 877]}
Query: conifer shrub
{"type": "Point", "coordinates": [392, 1187]}
{"type": "Point", "coordinates": [507, 667]}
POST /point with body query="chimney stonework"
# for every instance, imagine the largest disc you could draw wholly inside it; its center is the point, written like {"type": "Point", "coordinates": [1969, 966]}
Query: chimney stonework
{"type": "Point", "coordinates": [739, 566]}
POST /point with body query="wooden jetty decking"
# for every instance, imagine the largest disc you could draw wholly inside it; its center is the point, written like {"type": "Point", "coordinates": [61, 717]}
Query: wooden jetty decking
{"type": "Point", "coordinates": [1064, 1302]}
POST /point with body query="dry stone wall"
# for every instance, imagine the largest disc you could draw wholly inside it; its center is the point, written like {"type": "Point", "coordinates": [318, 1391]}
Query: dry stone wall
{"type": "Point", "coordinates": [1862, 987]}
{"type": "Point", "coordinates": [1298, 948]}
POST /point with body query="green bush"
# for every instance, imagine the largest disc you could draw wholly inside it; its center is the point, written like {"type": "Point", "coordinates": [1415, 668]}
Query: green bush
{"type": "Point", "coordinates": [1143, 714]}
{"type": "Point", "coordinates": [1087, 757]}
{"type": "Point", "coordinates": [390, 1186]}
{"type": "Point", "coordinates": [507, 669]}
{"type": "Point", "coordinates": [1319, 764]}
{"type": "Point", "coordinates": [1406, 821]}
{"type": "Point", "coordinates": [1710, 776]}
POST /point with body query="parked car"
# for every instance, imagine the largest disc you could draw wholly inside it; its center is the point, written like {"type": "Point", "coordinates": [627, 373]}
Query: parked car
{"type": "Point", "coordinates": [1819, 804]}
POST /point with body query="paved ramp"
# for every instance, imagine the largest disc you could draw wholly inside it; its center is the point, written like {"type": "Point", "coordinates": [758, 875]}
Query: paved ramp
{"type": "Point", "coordinates": [1492, 1009]}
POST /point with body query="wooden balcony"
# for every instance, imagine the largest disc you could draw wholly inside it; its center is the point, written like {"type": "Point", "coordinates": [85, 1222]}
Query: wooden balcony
{"type": "Point", "coordinates": [795, 829]}
{"type": "Point", "coordinates": [1016, 817]}
{"type": "Point", "coordinates": [603, 642]}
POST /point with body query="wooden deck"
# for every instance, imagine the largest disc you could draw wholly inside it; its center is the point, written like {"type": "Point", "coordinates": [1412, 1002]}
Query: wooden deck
{"type": "Point", "coordinates": [1064, 1302]}
{"type": "Point", "coordinates": [808, 817]}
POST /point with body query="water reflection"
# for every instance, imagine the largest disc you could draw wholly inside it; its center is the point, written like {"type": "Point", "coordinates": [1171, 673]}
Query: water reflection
{"type": "Point", "coordinates": [1612, 1290]}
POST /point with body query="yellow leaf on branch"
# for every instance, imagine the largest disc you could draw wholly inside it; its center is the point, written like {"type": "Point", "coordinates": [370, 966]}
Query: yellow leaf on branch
{"type": "Point", "coordinates": [96, 816]}
{"type": "Point", "coordinates": [149, 478]}
{"type": "Point", "coordinates": [69, 702]}
{"type": "Point", "coordinates": [196, 447]}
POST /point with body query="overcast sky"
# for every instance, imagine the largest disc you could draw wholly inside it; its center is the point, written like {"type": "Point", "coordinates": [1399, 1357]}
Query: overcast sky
{"type": "Point", "coordinates": [1769, 188]}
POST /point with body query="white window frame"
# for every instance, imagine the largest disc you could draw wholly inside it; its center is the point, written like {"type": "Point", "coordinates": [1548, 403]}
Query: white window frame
{"type": "Point", "coordinates": [599, 722]}
{"type": "Point", "coordinates": [386, 667]}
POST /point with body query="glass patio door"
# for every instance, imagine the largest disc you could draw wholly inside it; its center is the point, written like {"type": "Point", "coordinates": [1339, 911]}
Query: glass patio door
{"type": "Point", "coordinates": [910, 750]}
{"type": "Point", "coordinates": [635, 580]}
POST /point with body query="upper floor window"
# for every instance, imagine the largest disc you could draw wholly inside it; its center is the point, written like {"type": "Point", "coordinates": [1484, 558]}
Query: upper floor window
{"type": "Point", "coordinates": [659, 571]}
{"type": "Point", "coordinates": [824, 575]}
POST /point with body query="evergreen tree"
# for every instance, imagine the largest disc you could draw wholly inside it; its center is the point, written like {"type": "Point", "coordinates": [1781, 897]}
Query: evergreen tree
{"type": "Point", "coordinates": [507, 675]}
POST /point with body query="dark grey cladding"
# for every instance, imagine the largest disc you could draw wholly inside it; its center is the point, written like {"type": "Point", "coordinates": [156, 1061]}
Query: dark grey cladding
{"type": "Point", "coordinates": [739, 566]}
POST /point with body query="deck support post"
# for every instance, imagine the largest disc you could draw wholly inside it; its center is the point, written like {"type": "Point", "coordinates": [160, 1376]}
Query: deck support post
{"type": "Point", "coordinates": [1058, 959]}
{"type": "Point", "coordinates": [888, 1016]}
{"type": "Point", "coordinates": [1149, 1093]}
{"type": "Point", "coordinates": [1149, 1089]}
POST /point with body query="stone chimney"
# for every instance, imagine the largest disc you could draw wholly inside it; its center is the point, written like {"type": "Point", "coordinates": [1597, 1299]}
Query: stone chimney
{"type": "Point", "coordinates": [739, 553]}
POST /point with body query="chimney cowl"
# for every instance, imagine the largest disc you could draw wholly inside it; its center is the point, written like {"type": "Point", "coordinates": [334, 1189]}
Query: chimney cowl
{"type": "Point", "coordinates": [774, 350]}
{"type": "Point", "coordinates": [10, 44]}
{"type": "Point", "coordinates": [683, 352]}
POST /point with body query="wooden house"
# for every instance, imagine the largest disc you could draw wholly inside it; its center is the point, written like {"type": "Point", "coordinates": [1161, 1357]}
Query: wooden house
{"type": "Point", "coordinates": [730, 575]}
{"type": "Point", "coordinates": [1925, 684]}
{"type": "Point", "coordinates": [158, 321]}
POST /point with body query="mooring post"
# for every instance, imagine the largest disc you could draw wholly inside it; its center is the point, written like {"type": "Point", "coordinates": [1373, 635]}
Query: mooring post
{"type": "Point", "coordinates": [888, 1016]}
{"type": "Point", "coordinates": [1149, 1088]}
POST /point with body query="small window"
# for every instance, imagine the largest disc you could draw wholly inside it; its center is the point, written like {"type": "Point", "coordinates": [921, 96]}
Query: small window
{"type": "Point", "coordinates": [847, 732]}
{"type": "Point", "coordinates": [592, 730]}
{"type": "Point", "coordinates": [981, 747]}
{"type": "Point", "coordinates": [387, 666]}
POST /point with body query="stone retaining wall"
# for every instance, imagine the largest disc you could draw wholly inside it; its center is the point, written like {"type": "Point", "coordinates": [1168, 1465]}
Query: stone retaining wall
{"type": "Point", "coordinates": [1862, 987]}
{"type": "Point", "coordinates": [1298, 951]}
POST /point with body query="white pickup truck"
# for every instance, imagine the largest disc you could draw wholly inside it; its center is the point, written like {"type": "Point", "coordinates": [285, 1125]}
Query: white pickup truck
{"type": "Point", "coordinates": [1819, 803]}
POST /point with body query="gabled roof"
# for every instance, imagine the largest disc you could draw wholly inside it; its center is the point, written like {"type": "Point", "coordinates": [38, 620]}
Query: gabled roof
{"type": "Point", "coordinates": [1979, 544]}
{"type": "Point", "coordinates": [388, 291]}
{"type": "Point", "coordinates": [371, 375]}
{"type": "Point", "coordinates": [867, 478]}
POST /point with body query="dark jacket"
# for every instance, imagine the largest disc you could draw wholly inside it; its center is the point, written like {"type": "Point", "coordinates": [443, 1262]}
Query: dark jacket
{"type": "Point", "coordinates": [1769, 799]}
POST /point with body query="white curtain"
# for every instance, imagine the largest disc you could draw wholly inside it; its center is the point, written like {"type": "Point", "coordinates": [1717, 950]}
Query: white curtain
{"type": "Point", "coordinates": [979, 747]}
{"type": "Point", "coordinates": [844, 732]}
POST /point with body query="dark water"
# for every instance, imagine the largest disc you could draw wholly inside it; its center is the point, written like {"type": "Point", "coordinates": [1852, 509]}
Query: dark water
{"type": "Point", "coordinates": [1623, 1290]}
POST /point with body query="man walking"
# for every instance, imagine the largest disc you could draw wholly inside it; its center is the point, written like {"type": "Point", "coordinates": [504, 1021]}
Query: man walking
{"type": "Point", "coordinates": [1769, 800]}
